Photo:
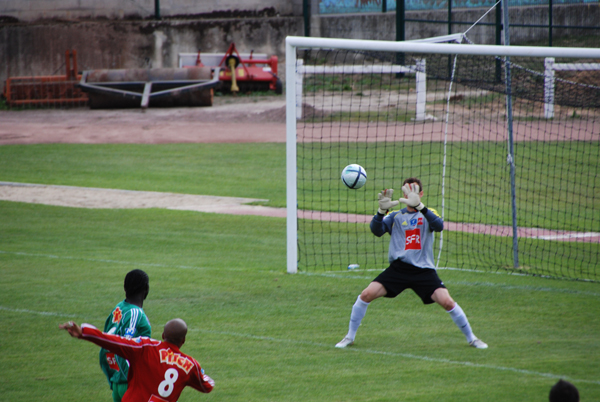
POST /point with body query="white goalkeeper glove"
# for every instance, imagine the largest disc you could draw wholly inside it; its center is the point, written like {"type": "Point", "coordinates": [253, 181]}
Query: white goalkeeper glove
{"type": "Point", "coordinates": [413, 199]}
{"type": "Point", "coordinates": [385, 201]}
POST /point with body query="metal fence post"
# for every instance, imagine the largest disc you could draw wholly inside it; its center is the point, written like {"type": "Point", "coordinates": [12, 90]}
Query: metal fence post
{"type": "Point", "coordinates": [511, 145]}
{"type": "Point", "coordinates": [400, 26]}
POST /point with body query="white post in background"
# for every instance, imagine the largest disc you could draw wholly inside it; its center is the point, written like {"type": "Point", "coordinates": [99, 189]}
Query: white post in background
{"type": "Point", "coordinates": [159, 40]}
{"type": "Point", "coordinates": [290, 129]}
{"type": "Point", "coordinates": [299, 76]}
{"type": "Point", "coordinates": [418, 69]}
{"type": "Point", "coordinates": [549, 88]}
{"type": "Point", "coordinates": [421, 82]}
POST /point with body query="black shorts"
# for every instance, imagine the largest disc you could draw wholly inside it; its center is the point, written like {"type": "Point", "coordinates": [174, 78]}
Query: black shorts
{"type": "Point", "coordinates": [399, 276]}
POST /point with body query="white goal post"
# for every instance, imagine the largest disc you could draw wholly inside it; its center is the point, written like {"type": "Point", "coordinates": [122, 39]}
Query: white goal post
{"type": "Point", "coordinates": [293, 101]}
{"type": "Point", "coordinates": [418, 69]}
{"type": "Point", "coordinates": [549, 80]}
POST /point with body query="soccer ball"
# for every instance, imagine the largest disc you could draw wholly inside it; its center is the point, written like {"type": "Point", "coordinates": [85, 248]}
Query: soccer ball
{"type": "Point", "coordinates": [354, 176]}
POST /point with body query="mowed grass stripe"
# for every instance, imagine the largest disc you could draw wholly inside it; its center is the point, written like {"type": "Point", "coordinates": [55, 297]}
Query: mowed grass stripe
{"type": "Point", "coordinates": [356, 349]}
{"type": "Point", "coordinates": [325, 275]}
{"type": "Point", "coordinates": [353, 349]}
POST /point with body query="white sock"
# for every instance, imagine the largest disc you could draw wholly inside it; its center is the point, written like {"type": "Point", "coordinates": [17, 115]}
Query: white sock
{"type": "Point", "coordinates": [358, 312]}
{"type": "Point", "coordinates": [461, 321]}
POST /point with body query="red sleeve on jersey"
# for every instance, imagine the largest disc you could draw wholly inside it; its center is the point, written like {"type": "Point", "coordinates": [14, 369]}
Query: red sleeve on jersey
{"type": "Point", "coordinates": [199, 380]}
{"type": "Point", "coordinates": [125, 347]}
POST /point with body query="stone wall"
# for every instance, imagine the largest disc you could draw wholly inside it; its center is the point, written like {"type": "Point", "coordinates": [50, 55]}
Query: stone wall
{"type": "Point", "coordinates": [38, 48]}
{"type": "Point", "coordinates": [33, 10]}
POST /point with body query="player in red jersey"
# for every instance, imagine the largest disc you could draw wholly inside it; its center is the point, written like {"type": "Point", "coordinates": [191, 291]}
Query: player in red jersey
{"type": "Point", "coordinates": [158, 370]}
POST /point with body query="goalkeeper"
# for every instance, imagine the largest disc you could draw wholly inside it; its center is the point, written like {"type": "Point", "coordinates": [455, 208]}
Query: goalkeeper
{"type": "Point", "coordinates": [411, 260]}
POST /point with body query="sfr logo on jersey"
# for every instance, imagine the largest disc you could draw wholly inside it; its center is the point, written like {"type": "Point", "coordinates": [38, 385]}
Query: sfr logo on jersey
{"type": "Point", "coordinates": [112, 361]}
{"type": "Point", "coordinates": [169, 357]}
{"type": "Point", "coordinates": [413, 239]}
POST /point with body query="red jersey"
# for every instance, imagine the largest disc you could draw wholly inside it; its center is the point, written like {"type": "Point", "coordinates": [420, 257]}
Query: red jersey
{"type": "Point", "coordinates": [158, 371]}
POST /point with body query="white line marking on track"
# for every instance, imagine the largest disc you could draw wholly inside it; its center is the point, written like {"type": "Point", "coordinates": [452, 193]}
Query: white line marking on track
{"type": "Point", "coordinates": [404, 355]}
{"type": "Point", "coordinates": [568, 236]}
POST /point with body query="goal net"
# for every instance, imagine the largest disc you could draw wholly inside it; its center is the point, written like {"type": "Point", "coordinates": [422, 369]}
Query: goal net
{"type": "Point", "coordinates": [508, 152]}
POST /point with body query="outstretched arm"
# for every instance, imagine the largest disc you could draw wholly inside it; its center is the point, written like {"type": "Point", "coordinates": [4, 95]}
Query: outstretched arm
{"type": "Point", "coordinates": [122, 346]}
{"type": "Point", "coordinates": [72, 328]}
{"type": "Point", "coordinates": [384, 199]}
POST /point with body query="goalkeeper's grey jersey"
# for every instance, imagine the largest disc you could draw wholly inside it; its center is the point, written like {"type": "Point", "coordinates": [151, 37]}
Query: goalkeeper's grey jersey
{"type": "Point", "coordinates": [412, 235]}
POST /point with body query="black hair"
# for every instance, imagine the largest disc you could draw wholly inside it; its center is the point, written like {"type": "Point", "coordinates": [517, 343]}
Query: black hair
{"type": "Point", "coordinates": [136, 282]}
{"type": "Point", "coordinates": [564, 391]}
{"type": "Point", "coordinates": [414, 180]}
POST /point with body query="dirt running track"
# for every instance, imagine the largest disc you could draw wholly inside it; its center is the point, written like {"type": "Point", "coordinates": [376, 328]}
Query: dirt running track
{"type": "Point", "coordinates": [230, 120]}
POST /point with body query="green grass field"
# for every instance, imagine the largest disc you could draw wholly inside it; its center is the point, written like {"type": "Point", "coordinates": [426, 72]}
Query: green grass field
{"type": "Point", "coordinates": [262, 334]}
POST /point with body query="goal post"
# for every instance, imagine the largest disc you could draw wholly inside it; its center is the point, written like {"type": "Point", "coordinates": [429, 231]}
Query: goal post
{"type": "Point", "coordinates": [353, 106]}
{"type": "Point", "coordinates": [418, 69]}
{"type": "Point", "coordinates": [550, 67]}
{"type": "Point", "coordinates": [290, 155]}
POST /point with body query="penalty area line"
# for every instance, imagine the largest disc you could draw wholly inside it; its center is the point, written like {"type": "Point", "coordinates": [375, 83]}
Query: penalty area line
{"type": "Point", "coordinates": [404, 355]}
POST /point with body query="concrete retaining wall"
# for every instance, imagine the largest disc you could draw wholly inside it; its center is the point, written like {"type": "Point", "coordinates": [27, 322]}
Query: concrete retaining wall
{"type": "Point", "coordinates": [38, 48]}
{"type": "Point", "coordinates": [32, 10]}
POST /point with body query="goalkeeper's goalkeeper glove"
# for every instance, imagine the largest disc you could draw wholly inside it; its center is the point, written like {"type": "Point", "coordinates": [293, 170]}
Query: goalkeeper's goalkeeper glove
{"type": "Point", "coordinates": [385, 201]}
{"type": "Point", "coordinates": [411, 192]}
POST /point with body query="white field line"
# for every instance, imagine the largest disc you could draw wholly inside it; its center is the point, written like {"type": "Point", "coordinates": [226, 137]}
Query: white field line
{"type": "Point", "coordinates": [144, 264]}
{"type": "Point", "coordinates": [26, 311]}
{"type": "Point", "coordinates": [404, 355]}
{"type": "Point", "coordinates": [356, 350]}
{"type": "Point", "coordinates": [353, 349]}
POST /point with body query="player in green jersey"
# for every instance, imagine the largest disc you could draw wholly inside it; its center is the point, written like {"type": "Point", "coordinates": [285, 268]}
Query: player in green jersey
{"type": "Point", "coordinates": [129, 320]}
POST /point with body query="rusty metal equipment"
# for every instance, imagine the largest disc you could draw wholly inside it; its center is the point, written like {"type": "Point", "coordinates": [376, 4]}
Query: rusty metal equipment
{"type": "Point", "coordinates": [156, 87]}
{"type": "Point", "coordinates": [238, 72]}
{"type": "Point", "coordinates": [50, 90]}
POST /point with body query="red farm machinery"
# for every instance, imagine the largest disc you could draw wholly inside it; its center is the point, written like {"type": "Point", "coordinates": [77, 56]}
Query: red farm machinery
{"type": "Point", "coordinates": [191, 84]}
{"type": "Point", "coordinates": [47, 90]}
{"type": "Point", "coordinates": [238, 72]}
